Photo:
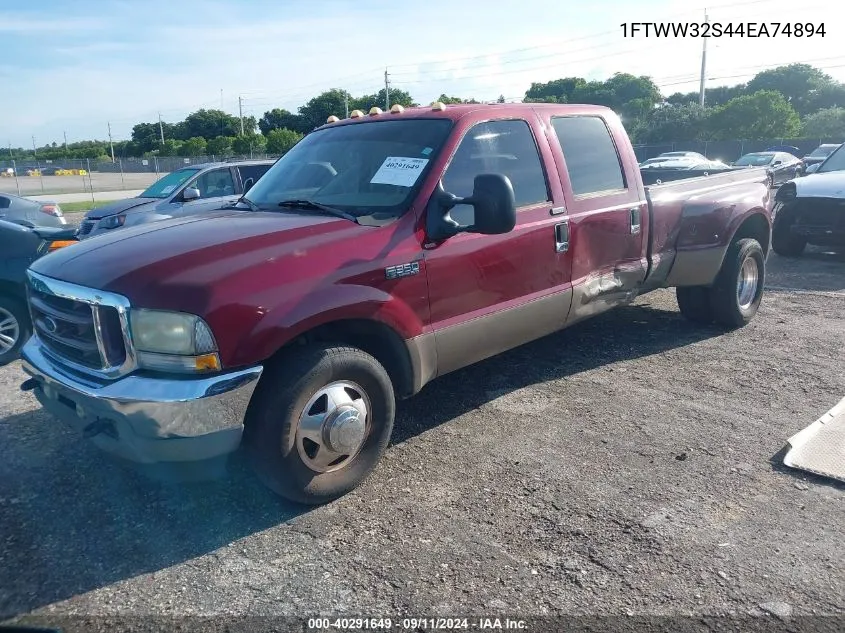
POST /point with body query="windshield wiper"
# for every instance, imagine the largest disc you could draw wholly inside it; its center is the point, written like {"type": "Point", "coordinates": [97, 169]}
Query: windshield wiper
{"type": "Point", "coordinates": [310, 205]}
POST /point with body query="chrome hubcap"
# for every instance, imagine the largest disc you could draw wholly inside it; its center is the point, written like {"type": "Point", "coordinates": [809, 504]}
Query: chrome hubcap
{"type": "Point", "coordinates": [333, 426]}
{"type": "Point", "coordinates": [10, 330]}
{"type": "Point", "coordinates": [746, 285]}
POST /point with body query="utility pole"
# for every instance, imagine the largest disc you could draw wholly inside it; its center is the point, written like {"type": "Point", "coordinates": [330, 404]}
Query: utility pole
{"type": "Point", "coordinates": [111, 145]}
{"type": "Point", "coordinates": [34, 150]}
{"type": "Point", "coordinates": [10, 150]}
{"type": "Point", "coordinates": [221, 112]}
{"type": "Point", "coordinates": [346, 102]}
{"type": "Point", "coordinates": [65, 133]}
{"type": "Point", "coordinates": [386, 90]}
{"type": "Point", "coordinates": [161, 128]}
{"type": "Point", "coordinates": [703, 66]}
{"type": "Point", "coordinates": [241, 112]}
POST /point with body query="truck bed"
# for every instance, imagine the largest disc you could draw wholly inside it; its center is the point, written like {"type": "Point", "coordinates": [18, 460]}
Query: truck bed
{"type": "Point", "coordinates": [689, 216]}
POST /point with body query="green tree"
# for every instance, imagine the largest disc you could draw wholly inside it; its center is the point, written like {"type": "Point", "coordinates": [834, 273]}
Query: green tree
{"type": "Point", "coordinates": [827, 123]}
{"type": "Point", "coordinates": [280, 141]}
{"type": "Point", "coordinates": [444, 98]}
{"type": "Point", "coordinates": [331, 102]}
{"type": "Point", "coordinates": [556, 91]}
{"type": "Point", "coordinates": [278, 118]}
{"type": "Point", "coordinates": [829, 96]}
{"type": "Point", "coordinates": [249, 144]}
{"type": "Point", "coordinates": [194, 146]}
{"type": "Point", "coordinates": [675, 123]}
{"type": "Point", "coordinates": [210, 124]}
{"type": "Point", "coordinates": [796, 82]}
{"type": "Point", "coordinates": [170, 147]}
{"type": "Point", "coordinates": [501, 99]}
{"type": "Point", "coordinates": [377, 100]}
{"type": "Point", "coordinates": [762, 115]}
{"type": "Point", "coordinates": [718, 95]}
{"type": "Point", "coordinates": [221, 146]}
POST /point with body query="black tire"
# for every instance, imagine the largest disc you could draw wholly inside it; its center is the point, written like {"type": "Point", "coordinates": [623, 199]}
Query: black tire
{"type": "Point", "coordinates": [728, 309]}
{"type": "Point", "coordinates": [694, 303]}
{"type": "Point", "coordinates": [784, 243]}
{"type": "Point", "coordinates": [13, 309]}
{"type": "Point", "coordinates": [279, 456]}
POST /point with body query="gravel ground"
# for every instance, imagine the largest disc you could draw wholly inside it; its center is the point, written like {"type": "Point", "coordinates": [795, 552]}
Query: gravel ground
{"type": "Point", "coordinates": [629, 465]}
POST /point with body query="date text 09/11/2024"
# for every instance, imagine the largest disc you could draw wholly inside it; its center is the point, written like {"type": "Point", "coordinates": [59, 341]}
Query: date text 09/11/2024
{"type": "Point", "coordinates": [416, 624]}
{"type": "Point", "coordinates": [719, 29]}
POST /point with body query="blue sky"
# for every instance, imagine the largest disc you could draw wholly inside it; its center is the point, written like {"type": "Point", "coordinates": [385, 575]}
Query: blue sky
{"type": "Point", "coordinates": [75, 67]}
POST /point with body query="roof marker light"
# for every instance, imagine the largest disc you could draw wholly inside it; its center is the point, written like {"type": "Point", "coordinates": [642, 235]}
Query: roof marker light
{"type": "Point", "coordinates": [332, 119]}
{"type": "Point", "coordinates": [355, 114]}
{"type": "Point", "coordinates": [438, 105]}
{"type": "Point", "coordinates": [374, 111]}
{"type": "Point", "coordinates": [397, 109]}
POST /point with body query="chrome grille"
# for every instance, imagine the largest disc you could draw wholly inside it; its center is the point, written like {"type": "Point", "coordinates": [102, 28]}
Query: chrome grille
{"type": "Point", "coordinates": [85, 227]}
{"type": "Point", "coordinates": [83, 328]}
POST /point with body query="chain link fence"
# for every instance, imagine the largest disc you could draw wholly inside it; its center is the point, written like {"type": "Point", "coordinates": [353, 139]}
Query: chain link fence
{"type": "Point", "coordinates": [89, 177]}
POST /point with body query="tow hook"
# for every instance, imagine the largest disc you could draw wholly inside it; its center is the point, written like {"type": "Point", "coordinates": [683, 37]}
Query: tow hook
{"type": "Point", "coordinates": [100, 426]}
{"type": "Point", "coordinates": [29, 384]}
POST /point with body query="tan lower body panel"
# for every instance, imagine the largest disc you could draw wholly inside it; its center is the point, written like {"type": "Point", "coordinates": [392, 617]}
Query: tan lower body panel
{"type": "Point", "coordinates": [696, 267]}
{"type": "Point", "coordinates": [467, 343]}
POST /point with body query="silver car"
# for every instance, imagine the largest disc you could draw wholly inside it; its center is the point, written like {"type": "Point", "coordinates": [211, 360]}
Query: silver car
{"type": "Point", "coordinates": [188, 191]}
{"type": "Point", "coordinates": [30, 213]}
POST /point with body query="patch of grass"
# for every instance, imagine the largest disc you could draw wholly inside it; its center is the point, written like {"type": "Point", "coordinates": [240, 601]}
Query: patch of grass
{"type": "Point", "coordinates": [77, 207]}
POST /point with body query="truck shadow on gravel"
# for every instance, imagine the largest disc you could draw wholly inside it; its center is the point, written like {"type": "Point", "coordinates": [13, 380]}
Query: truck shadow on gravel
{"type": "Point", "coordinates": [73, 521]}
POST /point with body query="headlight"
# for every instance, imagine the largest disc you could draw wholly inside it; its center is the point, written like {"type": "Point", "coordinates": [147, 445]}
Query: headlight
{"type": "Point", "coordinates": [173, 341]}
{"type": "Point", "coordinates": [112, 222]}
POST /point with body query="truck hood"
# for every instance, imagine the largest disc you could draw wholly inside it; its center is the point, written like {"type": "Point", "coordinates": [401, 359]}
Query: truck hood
{"type": "Point", "coordinates": [826, 185]}
{"type": "Point", "coordinates": [118, 207]}
{"type": "Point", "coordinates": [159, 265]}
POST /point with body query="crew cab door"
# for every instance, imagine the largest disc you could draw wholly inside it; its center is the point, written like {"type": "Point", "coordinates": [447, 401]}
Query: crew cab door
{"type": "Point", "coordinates": [605, 207]}
{"type": "Point", "coordinates": [489, 293]}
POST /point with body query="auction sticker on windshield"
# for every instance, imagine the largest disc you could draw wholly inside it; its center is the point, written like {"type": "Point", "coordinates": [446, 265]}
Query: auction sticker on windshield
{"type": "Point", "coordinates": [398, 170]}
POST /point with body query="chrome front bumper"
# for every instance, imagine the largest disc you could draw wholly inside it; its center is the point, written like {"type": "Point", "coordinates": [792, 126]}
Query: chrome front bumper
{"type": "Point", "coordinates": [146, 419]}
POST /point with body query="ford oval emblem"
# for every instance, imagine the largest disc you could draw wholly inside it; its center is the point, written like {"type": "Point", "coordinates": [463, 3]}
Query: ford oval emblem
{"type": "Point", "coordinates": [50, 324]}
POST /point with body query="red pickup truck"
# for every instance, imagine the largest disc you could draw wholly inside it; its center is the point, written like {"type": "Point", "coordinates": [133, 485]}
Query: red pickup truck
{"type": "Point", "coordinates": [383, 251]}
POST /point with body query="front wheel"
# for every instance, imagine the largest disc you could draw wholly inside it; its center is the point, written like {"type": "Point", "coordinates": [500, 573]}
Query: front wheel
{"type": "Point", "coordinates": [738, 291]}
{"type": "Point", "coordinates": [319, 422]}
{"type": "Point", "coordinates": [14, 328]}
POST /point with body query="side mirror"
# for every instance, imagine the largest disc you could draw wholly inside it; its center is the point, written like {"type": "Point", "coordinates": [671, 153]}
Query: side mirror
{"type": "Point", "coordinates": [191, 193]}
{"type": "Point", "coordinates": [492, 200]}
{"type": "Point", "coordinates": [248, 184]}
{"type": "Point", "coordinates": [777, 162]}
{"type": "Point", "coordinates": [812, 168]}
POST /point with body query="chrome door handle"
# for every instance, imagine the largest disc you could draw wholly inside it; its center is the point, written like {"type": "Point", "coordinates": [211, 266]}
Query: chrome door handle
{"type": "Point", "coordinates": [562, 236]}
{"type": "Point", "coordinates": [636, 220]}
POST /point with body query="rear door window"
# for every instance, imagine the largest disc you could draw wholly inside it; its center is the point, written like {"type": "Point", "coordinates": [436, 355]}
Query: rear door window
{"type": "Point", "coordinates": [592, 161]}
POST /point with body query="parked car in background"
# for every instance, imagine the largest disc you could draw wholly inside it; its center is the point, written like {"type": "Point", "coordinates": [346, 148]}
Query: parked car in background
{"type": "Point", "coordinates": [781, 166]}
{"type": "Point", "coordinates": [683, 163]}
{"type": "Point", "coordinates": [19, 247]}
{"type": "Point", "coordinates": [188, 191]}
{"type": "Point", "coordinates": [818, 155]}
{"type": "Point", "coordinates": [811, 210]}
{"type": "Point", "coordinates": [378, 254]}
{"type": "Point", "coordinates": [789, 149]}
{"type": "Point", "coordinates": [682, 155]}
{"type": "Point", "coordinates": [28, 212]}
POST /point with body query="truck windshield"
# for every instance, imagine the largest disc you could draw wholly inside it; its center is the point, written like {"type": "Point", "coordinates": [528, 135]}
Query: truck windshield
{"type": "Point", "coordinates": [822, 151]}
{"type": "Point", "coordinates": [834, 162]}
{"type": "Point", "coordinates": [166, 186]}
{"type": "Point", "coordinates": [370, 168]}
